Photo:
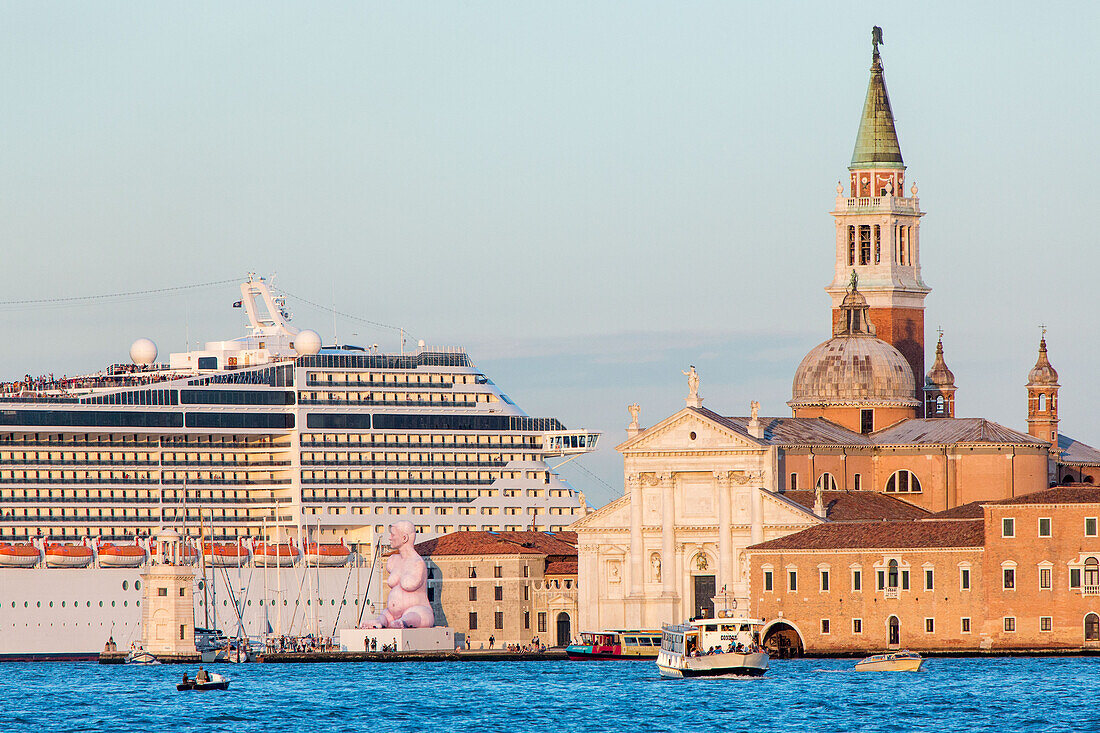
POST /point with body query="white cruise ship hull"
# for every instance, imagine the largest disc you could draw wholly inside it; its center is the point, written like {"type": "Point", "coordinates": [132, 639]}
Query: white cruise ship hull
{"type": "Point", "coordinates": [69, 614]}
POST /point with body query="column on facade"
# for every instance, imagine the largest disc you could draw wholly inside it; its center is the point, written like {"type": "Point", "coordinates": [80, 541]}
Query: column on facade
{"type": "Point", "coordinates": [668, 533]}
{"type": "Point", "coordinates": [635, 568]}
{"type": "Point", "coordinates": [726, 575]}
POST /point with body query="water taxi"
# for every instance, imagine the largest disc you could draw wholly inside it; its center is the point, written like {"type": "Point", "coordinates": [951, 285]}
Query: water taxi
{"type": "Point", "coordinates": [903, 661]}
{"type": "Point", "coordinates": [616, 644]}
{"type": "Point", "coordinates": [712, 647]}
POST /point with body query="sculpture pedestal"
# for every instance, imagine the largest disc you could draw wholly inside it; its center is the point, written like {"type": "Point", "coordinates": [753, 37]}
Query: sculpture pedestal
{"type": "Point", "coordinates": [437, 638]}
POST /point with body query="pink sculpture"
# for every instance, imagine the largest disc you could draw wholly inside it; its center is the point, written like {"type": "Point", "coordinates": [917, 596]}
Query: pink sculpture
{"type": "Point", "coordinates": [407, 606]}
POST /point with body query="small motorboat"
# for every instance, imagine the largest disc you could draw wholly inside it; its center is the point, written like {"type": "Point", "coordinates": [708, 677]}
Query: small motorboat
{"type": "Point", "coordinates": [903, 661]}
{"type": "Point", "coordinates": [140, 656]}
{"type": "Point", "coordinates": [214, 681]}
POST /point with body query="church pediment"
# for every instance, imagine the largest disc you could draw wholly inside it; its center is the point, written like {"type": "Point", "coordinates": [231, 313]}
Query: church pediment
{"type": "Point", "coordinates": [613, 515]}
{"type": "Point", "coordinates": [688, 430]}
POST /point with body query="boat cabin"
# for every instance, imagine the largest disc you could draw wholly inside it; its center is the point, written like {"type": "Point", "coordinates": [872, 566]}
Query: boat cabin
{"type": "Point", "coordinates": [701, 636]}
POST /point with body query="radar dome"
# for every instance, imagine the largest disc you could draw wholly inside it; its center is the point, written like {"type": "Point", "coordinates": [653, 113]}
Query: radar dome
{"type": "Point", "coordinates": [307, 342]}
{"type": "Point", "coordinates": [143, 352]}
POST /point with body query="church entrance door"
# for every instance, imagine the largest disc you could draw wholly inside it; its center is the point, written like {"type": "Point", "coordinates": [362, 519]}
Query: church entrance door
{"type": "Point", "coordinates": [564, 636]}
{"type": "Point", "coordinates": [704, 596]}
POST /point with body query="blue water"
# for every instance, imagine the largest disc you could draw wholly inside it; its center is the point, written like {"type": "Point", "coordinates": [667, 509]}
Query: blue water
{"type": "Point", "coordinates": [800, 695]}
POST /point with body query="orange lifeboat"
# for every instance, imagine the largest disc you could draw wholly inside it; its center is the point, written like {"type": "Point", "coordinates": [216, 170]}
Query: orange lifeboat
{"type": "Point", "coordinates": [121, 556]}
{"type": "Point", "coordinates": [18, 555]}
{"type": "Point", "coordinates": [68, 556]}
{"type": "Point", "coordinates": [275, 556]}
{"type": "Point", "coordinates": [327, 556]}
{"type": "Point", "coordinates": [224, 555]}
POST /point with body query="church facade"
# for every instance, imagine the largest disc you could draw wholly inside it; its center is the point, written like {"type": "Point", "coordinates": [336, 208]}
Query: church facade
{"type": "Point", "coordinates": [871, 436]}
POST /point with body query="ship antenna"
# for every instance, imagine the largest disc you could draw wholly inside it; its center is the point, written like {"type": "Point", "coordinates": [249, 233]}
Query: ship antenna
{"type": "Point", "coordinates": [335, 340]}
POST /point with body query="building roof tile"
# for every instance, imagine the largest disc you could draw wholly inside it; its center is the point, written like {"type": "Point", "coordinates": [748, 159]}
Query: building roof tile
{"type": "Point", "coordinates": [855, 506]}
{"type": "Point", "coordinates": [973, 510]}
{"type": "Point", "coordinates": [951, 431]}
{"type": "Point", "coordinates": [561, 567]}
{"type": "Point", "coordinates": [1075, 494]}
{"type": "Point", "coordinates": [1077, 453]}
{"type": "Point", "coordinates": [889, 535]}
{"type": "Point", "coordinates": [500, 543]}
{"type": "Point", "coordinates": [789, 430]}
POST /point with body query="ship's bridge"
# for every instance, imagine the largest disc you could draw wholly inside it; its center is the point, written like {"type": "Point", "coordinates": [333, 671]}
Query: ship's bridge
{"type": "Point", "coordinates": [569, 442]}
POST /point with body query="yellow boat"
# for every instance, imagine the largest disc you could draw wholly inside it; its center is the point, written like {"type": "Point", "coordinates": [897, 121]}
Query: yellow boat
{"type": "Point", "coordinates": [903, 661]}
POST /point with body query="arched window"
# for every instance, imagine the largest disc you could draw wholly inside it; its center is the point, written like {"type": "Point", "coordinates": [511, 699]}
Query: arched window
{"type": "Point", "coordinates": [825, 482]}
{"type": "Point", "coordinates": [892, 575]}
{"type": "Point", "coordinates": [1092, 572]}
{"type": "Point", "coordinates": [1092, 627]}
{"type": "Point", "coordinates": [903, 482]}
{"type": "Point", "coordinates": [1042, 402]}
{"type": "Point", "coordinates": [851, 246]}
{"type": "Point", "coordinates": [939, 404]}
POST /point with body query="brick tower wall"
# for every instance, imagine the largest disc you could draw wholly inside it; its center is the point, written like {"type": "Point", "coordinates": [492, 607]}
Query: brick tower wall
{"type": "Point", "coordinates": [902, 328]}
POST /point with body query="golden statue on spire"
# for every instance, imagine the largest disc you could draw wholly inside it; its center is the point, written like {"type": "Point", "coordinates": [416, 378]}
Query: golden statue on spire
{"type": "Point", "coordinates": [876, 38]}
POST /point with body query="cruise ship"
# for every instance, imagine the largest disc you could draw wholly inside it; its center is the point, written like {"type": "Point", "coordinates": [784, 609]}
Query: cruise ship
{"type": "Point", "coordinates": [280, 461]}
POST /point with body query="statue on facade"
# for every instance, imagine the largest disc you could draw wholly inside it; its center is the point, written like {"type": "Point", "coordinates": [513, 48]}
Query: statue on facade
{"type": "Point", "coordinates": [693, 381]}
{"type": "Point", "coordinates": [655, 562]}
{"type": "Point", "coordinates": [407, 605]}
{"type": "Point", "coordinates": [633, 409]}
{"type": "Point", "coordinates": [754, 410]}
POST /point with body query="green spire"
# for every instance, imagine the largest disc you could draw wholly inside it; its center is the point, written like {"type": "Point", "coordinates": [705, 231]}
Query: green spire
{"type": "Point", "coordinates": [877, 142]}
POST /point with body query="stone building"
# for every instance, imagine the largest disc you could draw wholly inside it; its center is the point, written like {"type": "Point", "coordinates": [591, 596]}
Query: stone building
{"type": "Point", "coordinates": [512, 586]}
{"type": "Point", "coordinates": [866, 421]}
{"type": "Point", "coordinates": [1014, 574]}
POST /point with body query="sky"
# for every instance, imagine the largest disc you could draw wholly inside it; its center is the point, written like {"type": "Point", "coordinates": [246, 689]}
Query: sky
{"type": "Point", "coordinates": [588, 197]}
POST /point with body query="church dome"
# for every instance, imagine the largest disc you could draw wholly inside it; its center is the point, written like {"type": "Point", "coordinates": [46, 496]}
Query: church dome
{"type": "Point", "coordinates": [853, 368]}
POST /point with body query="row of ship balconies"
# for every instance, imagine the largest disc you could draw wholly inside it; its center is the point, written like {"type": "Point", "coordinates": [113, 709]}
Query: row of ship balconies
{"type": "Point", "coordinates": [148, 463]}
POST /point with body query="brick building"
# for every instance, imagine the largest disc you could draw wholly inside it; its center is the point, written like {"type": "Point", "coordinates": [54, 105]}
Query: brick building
{"type": "Point", "coordinates": [1014, 574]}
{"type": "Point", "coordinates": [701, 486]}
{"type": "Point", "coordinates": [513, 586]}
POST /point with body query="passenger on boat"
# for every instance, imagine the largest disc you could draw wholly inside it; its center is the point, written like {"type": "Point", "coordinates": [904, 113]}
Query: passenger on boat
{"type": "Point", "coordinates": [202, 675]}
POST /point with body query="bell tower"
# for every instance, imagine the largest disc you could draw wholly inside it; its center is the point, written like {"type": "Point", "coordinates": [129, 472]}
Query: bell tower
{"type": "Point", "coordinates": [1042, 398]}
{"type": "Point", "coordinates": [878, 229]}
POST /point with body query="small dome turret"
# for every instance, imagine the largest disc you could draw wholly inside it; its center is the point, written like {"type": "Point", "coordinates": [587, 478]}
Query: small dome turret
{"type": "Point", "coordinates": [939, 375]}
{"type": "Point", "coordinates": [1042, 373]}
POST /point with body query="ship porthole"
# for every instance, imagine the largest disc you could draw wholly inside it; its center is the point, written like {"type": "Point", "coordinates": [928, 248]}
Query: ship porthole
{"type": "Point", "coordinates": [101, 604]}
{"type": "Point", "coordinates": [125, 585]}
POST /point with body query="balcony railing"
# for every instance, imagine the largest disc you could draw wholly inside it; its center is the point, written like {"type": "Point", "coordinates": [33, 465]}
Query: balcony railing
{"type": "Point", "coordinates": [1090, 590]}
{"type": "Point", "coordinates": [898, 204]}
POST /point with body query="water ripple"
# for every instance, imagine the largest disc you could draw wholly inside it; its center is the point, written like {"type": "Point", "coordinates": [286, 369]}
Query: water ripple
{"type": "Point", "coordinates": [1010, 694]}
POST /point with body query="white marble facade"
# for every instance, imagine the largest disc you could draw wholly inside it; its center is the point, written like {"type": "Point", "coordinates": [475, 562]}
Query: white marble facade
{"type": "Point", "coordinates": [696, 495]}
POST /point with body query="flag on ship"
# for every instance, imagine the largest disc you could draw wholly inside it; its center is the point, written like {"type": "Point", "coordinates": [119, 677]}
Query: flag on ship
{"type": "Point", "coordinates": [238, 303]}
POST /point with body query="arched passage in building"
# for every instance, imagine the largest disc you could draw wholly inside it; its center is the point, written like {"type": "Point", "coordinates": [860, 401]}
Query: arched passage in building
{"type": "Point", "coordinates": [1092, 627]}
{"type": "Point", "coordinates": [564, 631]}
{"type": "Point", "coordinates": [782, 640]}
